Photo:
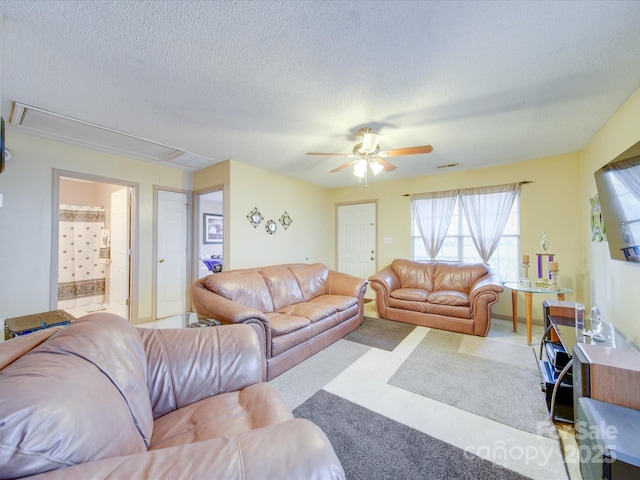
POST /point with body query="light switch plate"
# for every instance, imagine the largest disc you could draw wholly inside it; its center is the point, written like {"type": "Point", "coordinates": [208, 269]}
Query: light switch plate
{"type": "Point", "coordinates": [388, 239]}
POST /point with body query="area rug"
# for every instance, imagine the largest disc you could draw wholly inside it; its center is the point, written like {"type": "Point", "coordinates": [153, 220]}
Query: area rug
{"type": "Point", "coordinates": [495, 379]}
{"type": "Point", "coordinates": [380, 333]}
{"type": "Point", "coordinates": [371, 446]}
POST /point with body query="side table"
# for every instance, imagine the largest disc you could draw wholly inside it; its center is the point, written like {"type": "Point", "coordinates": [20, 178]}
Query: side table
{"type": "Point", "coordinates": [528, 298]}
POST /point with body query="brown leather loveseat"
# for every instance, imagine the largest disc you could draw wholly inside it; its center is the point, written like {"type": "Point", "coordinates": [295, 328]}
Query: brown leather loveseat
{"type": "Point", "coordinates": [446, 295]}
{"type": "Point", "coordinates": [104, 399]}
{"type": "Point", "coordinates": [298, 308]}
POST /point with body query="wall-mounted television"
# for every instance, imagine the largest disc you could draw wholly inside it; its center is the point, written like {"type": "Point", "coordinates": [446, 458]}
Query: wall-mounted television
{"type": "Point", "coordinates": [618, 185]}
{"type": "Point", "coordinates": [2, 147]}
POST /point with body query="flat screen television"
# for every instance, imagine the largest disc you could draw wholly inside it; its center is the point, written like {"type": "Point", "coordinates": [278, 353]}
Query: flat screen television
{"type": "Point", "coordinates": [618, 185]}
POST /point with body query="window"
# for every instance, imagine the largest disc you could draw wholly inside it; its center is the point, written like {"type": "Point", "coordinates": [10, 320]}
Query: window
{"type": "Point", "coordinates": [458, 245]}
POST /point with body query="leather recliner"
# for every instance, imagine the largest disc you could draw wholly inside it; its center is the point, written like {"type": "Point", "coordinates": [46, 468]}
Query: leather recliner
{"type": "Point", "coordinates": [104, 399]}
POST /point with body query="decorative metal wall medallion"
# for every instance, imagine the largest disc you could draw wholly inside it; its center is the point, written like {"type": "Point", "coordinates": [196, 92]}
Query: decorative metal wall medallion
{"type": "Point", "coordinates": [285, 220]}
{"type": "Point", "coordinates": [270, 227]}
{"type": "Point", "coordinates": [255, 217]}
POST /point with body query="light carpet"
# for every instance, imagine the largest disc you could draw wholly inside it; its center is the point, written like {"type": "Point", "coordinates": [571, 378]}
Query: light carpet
{"type": "Point", "coordinates": [486, 377]}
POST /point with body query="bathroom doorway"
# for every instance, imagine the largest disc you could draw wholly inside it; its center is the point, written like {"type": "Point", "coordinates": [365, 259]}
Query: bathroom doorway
{"type": "Point", "coordinates": [92, 247]}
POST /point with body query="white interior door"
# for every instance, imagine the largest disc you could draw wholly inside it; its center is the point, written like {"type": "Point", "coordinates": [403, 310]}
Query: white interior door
{"type": "Point", "coordinates": [120, 253]}
{"type": "Point", "coordinates": [357, 239]}
{"type": "Point", "coordinates": [171, 272]}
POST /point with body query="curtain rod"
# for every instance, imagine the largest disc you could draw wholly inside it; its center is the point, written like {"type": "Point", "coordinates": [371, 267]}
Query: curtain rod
{"type": "Point", "coordinates": [524, 182]}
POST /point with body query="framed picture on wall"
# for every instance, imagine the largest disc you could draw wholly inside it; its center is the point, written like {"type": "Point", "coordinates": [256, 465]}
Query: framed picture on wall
{"type": "Point", "coordinates": [213, 228]}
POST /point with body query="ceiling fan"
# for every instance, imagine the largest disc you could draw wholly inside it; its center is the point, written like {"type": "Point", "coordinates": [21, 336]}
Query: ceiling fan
{"type": "Point", "coordinates": [368, 153]}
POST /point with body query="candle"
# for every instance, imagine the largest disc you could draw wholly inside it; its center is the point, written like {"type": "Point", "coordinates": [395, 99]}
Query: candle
{"type": "Point", "coordinates": [554, 266]}
{"type": "Point", "coordinates": [525, 258]}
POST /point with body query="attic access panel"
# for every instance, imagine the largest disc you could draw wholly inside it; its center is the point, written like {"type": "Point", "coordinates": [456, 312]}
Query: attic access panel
{"type": "Point", "coordinates": [53, 126]}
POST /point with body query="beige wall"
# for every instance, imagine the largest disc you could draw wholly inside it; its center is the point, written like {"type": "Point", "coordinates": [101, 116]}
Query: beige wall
{"type": "Point", "coordinates": [613, 284]}
{"type": "Point", "coordinates": [306, 240]}
{"type": "Point", "coordinates": [551, 204]}
{"type": "Point", "coordinates": [557, 202]}
{"type": "Point", "coordinates": [25, 219]}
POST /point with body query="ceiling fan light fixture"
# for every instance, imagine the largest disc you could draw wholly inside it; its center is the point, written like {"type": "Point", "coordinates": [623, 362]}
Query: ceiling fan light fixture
{"type": "Point", "coordinates": [370, 142]}
{"type": "Point", "coordinates": [360, 168]}
{"type": "Point", "coordinates": [376, 168]}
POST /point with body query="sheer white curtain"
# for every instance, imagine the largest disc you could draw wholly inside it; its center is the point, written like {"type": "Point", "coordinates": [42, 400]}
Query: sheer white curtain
{"type": "Point", "coordinates": [628, 172]}
{"type": "Point", "coordinates": [487, 210]}
{"type": "Point", "coordinates": [433, 212]}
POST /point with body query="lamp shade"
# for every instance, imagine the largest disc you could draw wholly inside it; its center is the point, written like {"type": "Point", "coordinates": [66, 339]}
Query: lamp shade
{"type": "Point", "coordinates": [360, 168]}
{"type": "Point", "coordinates": [376, 168]}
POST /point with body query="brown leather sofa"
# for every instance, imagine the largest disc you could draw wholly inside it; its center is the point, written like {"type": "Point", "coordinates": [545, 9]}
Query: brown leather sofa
{"type": "Point", "coordinates": [299, 309]}
{"type": "Point", "coordinates": [446, 295]}
{"type": "Point", "coordinates": [104, 399]}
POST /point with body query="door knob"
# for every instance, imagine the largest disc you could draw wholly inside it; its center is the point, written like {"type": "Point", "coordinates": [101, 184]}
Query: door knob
{"type": "Point", "coordinates": [161, 260]}
{"type": "Point", "coordinates": [372, 258]}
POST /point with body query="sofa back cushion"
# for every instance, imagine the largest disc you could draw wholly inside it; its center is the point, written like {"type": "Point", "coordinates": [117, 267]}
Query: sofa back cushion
{"type": "Point", "coordinates": [312, 279]}
{"type": "Point", "coordinates": [78, 397]}
{"type": "Point", "coordinates": [457, 276]}
{"type": "Point", "coordinates": [246, 287]}
{"type": "Point", "coordinates": [282, 285]}
{"type": "Point", "coordinates": [414, 274]}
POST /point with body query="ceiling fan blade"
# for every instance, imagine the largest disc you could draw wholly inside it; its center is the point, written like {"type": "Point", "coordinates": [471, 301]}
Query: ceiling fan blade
{"type": "Point", "coordinates": [406, 151]}
{"type": "Point", "coordinates": [344, 165]}
{"type": "Point", "coordinates": [386, 166]}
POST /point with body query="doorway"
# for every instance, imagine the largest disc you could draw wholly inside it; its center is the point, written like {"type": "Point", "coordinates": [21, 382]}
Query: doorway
{"type": "Point", "coordinates": [91, 257]}
{"type": "Point", "coordinates": [172, 214]}
{"type": "Point", "coordinates": [209, 232]}
{"type": "Point", "coordinates": [356, 242]}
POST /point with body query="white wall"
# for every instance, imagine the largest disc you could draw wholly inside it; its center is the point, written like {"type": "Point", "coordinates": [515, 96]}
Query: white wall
{"type": "Point", "coordinates": [25, 219]}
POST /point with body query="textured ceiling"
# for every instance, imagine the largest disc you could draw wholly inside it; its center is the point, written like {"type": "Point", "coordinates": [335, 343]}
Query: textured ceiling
{"type": "Point", "coordinates": [264, 82]}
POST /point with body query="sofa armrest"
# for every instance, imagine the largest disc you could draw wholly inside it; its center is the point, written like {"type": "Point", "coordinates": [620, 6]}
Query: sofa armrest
{"type": "Point", "coordinates": [339, 283]}
{"type": "Point", "coordinates": [489, 283]}
{"type": "Point", "coordinates": [383, 283]}
{"type": "Point", "coordinates": [484, 293]}
{"type": "Point", "coordinates": [293, 449]}
{"type": "Point", "coordinates": [387, 280]}
{"type": "Point", "coordinates": [188, 364]}
{"type": "Point", "coordinates": [212, 305]}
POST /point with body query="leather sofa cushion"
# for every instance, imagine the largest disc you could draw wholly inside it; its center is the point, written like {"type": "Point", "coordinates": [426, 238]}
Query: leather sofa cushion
{"type": "Point", "coordinates": [312, 279]}
{"type": "Point", "coordinates": [257, 406]}
{"type": "Point", "coordinates": [246, 287]}
{"type": "Point", "coordinates": [57, 419]}
{"type": "Point", "coordinates": [414, 274]}
{"type": "Point", "coordinates": [314, 311]}
{"type": "Point", "coordinates": [408, 305]}
{"type": "Point", "coordinates": [281, 323]}
{"type": "Point", "coordinates": [457, 276]}
{"type": "Point", "coordinates": [449, 297]}
{"type": "Point", "coordinates": [339, 302]}
{"type": "Point", "coordinates": [283, 287]}
{"type": "Point", "coordinates": [410, 294]}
